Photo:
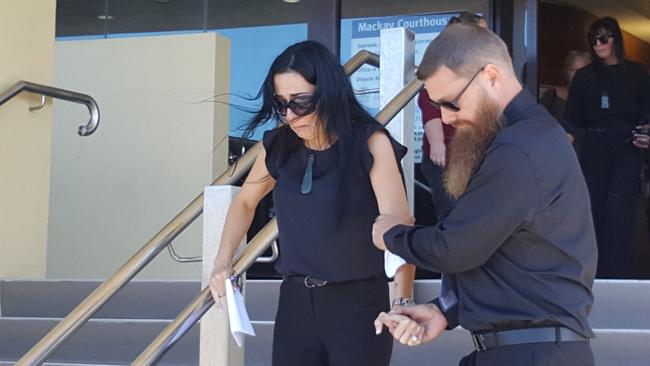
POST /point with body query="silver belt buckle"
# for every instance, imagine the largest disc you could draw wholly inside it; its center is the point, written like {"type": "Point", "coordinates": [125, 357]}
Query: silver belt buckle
{"type": "Point", "coordinates": [479, 342]}
{"type": "Point", "coordinates": [309, 284]}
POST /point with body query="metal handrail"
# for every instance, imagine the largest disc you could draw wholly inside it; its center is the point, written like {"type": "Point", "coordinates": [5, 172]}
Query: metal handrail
{"type": "Point", "coordinates": [179, 258]}
{"type": "Point", "coordinates": [39, 106]}
{"type": "Point", "coordinates": [57, 93]}
{"type": "Point", "coordinates": [80, 314]}
{"type": "Point", "coordinates": [203, 301]}
{"type": "Point", "coordinates": [275, 254]}
{"type": "Point", "coordinates": [361, 58]}
{"type": "Point", "coordinates": [421, 185]}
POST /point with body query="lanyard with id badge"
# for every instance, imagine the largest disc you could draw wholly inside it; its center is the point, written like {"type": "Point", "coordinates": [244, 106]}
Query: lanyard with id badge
{"type": "Point", "coordinates": [604, 101]}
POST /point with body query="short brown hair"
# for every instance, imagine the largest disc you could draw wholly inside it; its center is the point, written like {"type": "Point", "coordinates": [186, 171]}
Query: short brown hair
{"type": "Point", "coordinates": [464, 49]}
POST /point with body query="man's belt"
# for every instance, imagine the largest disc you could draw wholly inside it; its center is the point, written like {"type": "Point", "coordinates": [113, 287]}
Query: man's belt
{"type": "Point", "coordinates": [483, 341]}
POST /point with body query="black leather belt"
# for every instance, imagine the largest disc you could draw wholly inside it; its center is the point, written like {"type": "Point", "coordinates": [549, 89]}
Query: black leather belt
{"type": "Point", "coordinates": [483, 341]}
{"type": "Point", "coordinates": [612, 131]}
{"type": "Point", "coordinates": [308, 281]}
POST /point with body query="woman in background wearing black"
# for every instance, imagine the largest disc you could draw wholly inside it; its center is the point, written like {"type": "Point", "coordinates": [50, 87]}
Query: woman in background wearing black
{"type": "Point", "coordinates": [609, 98]}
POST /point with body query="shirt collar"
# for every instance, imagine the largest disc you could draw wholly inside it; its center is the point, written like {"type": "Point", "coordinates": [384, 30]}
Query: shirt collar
{"type": "Point", "coordinates": [518, 106]}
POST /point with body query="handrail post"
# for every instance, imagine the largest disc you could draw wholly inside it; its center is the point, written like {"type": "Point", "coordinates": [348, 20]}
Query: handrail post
{"type": "Point", "coordinates": [397, 47]}
{"type": "Point", "coordinates": [216, 346]}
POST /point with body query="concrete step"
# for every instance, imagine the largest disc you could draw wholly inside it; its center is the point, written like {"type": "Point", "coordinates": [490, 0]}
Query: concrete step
{"type": "Point", "coordinates": [100, 341]}
{"type": "Point", "coordinates": [619, 316]}
{"type": "Point", "coordinates": [611, 348]}
{"type": "Point", "coordinates": [619, 304]}
{"type": "Point", "coordinates": [55, 299]}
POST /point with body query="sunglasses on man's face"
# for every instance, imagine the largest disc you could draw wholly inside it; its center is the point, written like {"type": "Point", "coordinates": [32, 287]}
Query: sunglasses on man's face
{"type": "Point", "coordinates": [301, 105]}
{"type": "Point", "coordinates": [602, 38]}
{"type": "Point", "coordinates": [453, 104]}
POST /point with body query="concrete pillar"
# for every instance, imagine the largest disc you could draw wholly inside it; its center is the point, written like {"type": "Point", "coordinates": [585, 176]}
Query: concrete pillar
{"type": "Point", "coordinates": [218, 347]}
{"type": "Point", "coordinates": [397, 57]}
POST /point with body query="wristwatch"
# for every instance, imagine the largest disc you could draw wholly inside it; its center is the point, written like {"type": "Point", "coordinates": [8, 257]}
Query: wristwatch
{"type": "Point", "coordinates": [402, 301]}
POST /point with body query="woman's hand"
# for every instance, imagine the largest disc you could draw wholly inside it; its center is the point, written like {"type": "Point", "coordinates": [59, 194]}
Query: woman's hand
{"type": "Point", "coordinates": [220, 273]}
{"type": "Point", "coordinates": [238, 219]}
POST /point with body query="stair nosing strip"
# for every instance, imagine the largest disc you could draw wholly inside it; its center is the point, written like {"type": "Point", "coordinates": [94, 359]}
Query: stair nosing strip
{"type": "Point", "coordinates": [595, 330]}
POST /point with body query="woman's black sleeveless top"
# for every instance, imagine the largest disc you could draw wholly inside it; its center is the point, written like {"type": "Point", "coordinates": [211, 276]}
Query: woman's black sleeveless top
{"type": "Point", "coordinates": [326, 233]}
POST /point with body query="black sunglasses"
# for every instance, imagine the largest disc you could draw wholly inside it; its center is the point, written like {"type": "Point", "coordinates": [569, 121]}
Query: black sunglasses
{"type": "Point", "coordinates": [602, 38]}
{"type": "Point", "coordinates": [301, 105]}
{"type": "Point", "coordinates": [453, 104]}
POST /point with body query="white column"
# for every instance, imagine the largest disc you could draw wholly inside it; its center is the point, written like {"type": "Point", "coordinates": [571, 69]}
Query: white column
{"type": "Point", "coordinates": [397, 67]}
{"type": "Point", "coordinates": [218, 348]}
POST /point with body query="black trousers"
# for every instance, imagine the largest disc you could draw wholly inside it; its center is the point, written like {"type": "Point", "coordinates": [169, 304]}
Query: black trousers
{"type": "Point", "coordinates": [533, 354]}
{"type": "Point", "coordinates": [443, 203]}
{"type": "Point", "coordinates": [612, 168]}
{"type": "Point", "coordinates": [331, 325]}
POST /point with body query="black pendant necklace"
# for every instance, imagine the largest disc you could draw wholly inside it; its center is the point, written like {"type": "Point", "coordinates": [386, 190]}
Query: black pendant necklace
{"type": "Point", "coordinates": [305, 187]}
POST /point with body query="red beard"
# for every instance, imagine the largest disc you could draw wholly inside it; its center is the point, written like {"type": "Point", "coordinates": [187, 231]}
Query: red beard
{"type": "Point", "coordinates": [468, 146]}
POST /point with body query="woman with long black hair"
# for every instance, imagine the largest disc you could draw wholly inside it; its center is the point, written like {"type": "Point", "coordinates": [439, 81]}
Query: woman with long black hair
{"type": "Point", "coordinates": [609, 98]}
{"type": "Point", "coordinates": [333, 169]}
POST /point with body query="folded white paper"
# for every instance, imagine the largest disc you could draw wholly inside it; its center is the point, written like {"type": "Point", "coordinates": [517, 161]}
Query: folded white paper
{"type": "Point", "coordinates": [392, 262]}
{"type": "Point", "coordinates": [240, 324]}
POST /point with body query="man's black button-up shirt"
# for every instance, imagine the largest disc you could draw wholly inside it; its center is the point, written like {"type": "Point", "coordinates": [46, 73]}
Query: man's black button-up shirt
{"type": "Point", "coordinates": [520, 245]}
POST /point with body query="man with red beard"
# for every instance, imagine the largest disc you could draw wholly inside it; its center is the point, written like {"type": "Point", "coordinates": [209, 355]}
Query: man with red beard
{"type": "Point", "coordinates": [519, 247]}
{"type": "Point", "coordinates": [437, 137]}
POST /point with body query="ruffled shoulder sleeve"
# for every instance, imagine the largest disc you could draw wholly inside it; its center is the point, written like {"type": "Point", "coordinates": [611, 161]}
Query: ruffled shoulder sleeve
{"type": "Point", "coordinates": [366, 129]}
{"type": "Point", "coordinates": [271, 141]}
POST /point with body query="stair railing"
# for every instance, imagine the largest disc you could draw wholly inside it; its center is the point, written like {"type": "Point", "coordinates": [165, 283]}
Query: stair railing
{"type": "Point", "coordinates": [57, 93]}
{"type": "Point", "coordinates": [89, 306]}
{"type": "Point", "coordinates": [203, 301]}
